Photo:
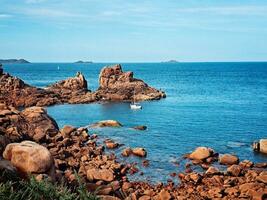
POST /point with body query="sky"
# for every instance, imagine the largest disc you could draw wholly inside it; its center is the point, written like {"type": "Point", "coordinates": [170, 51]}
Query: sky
{"type": "Point", "coordinates": [133, 30]}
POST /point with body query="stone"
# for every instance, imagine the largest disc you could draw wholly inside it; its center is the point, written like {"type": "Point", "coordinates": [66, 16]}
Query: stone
{"type": "Point", "coordinates": [228, 159]}
{"type": "Point", "coordinates": [29, 157]}
{"type": "Point", "coordinates": [111, 144]}
{"type": "Point", "coordinates": [262, 178]}
{"type": "Point", "coordinates": [234, 170]}
{"type": "Point", "coordinates": [67, 130]}
{"type": "Point", "coordinates": [126, 152]}
{"type": "Point", "coordinates": [201, 153]}
{"type": "Point", "coordinates": [106, 123]}
{"type": "Point", "coordinates": [212, 170]}
{"type": "Point", "coordinates": [164, 195]}
{"type": "Point", "coordinates": [260, 146]}
{"type": "Point", "coordinates": [100, 174]}
{"type": "Point", "coordinates": [141, 152]}
{"type": "Point", "coordinates": [140, 128]}
{"type": "Point", "coordinates": [107, 197]}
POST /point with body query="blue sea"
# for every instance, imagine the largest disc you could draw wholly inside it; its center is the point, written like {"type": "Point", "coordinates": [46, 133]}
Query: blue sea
{"type": "Point", "coordinates": [219, 105]}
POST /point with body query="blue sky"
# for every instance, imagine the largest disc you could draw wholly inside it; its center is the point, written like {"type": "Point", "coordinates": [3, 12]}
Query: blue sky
{"type": "Point", "coordinates": [133, 30]}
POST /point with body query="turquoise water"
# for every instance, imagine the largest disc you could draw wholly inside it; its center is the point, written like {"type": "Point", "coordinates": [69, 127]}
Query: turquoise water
{"type": "Point", "coordinates": [220, 105]}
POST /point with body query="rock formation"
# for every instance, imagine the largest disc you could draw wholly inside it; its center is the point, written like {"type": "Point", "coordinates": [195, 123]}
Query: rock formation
{"type": "Point", "coordinates": [17, 93]}
{"type": "Point", "coordinates": [116, 85]}
{"type": "Point", "coordinates": [260, 146]}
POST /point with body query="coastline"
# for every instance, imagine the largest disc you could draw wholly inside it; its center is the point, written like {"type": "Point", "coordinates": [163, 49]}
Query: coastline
{"type": "Point", "coordinates": [75, 149]}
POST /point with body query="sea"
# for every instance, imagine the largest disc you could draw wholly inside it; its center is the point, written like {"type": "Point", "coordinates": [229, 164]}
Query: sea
{"type": "Point", "coordinates": [221, 105]}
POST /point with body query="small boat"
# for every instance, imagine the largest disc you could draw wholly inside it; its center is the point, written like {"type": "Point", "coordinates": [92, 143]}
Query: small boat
{"type": "Point", "coordinates": [134, 105]}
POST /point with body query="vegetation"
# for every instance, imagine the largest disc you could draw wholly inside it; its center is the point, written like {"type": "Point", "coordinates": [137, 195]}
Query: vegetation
{"type": "Point", "coordinates": [17, 189]}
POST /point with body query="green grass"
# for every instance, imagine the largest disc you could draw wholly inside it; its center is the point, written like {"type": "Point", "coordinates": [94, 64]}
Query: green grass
{"type": "Point", "coordinates": [16, 189]}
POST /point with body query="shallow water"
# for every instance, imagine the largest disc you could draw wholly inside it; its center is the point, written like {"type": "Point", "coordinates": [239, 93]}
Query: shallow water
{"type": "Point", "coordinates": [220, 105]}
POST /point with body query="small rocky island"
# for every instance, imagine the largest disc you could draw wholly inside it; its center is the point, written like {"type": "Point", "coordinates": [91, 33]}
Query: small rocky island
{"type": "Point", "coordinates": [13, 61]}
{"type": "Point", "coordinates": [83, 62]}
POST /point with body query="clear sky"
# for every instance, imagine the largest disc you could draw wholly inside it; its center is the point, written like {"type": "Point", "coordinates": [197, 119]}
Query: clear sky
{"type": "Point", "coordinates": [133, 30]}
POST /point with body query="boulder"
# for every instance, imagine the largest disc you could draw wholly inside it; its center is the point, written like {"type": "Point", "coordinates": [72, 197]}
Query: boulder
{"type": "Point", "coordinates": [100, 174]}
{"type": "Point", "coordinates": [201, 153]}
{"type": "Point", "coordinates": [140, 128]}
{"type": "Point", "coordinates": [41, 124]}
{"type": "Point", "coordinates": [106, 123]}
{"type": "Point", "coordinates": [67, 130]}
{"type": "Point", "coordinates": [111, 144]}
{"type": "Point", "coordinates": [212, 170]}
{"type": "Point", "coordinates": [234, 170]}
{"type": "Point", "coordinates": [126, 152]}
{"type": "Point", "coordinates": [228, 159]}
{"type": "Point", "coordinates": [164, 195]}
{"type": "Point", "coordinates": [260, 146]}
{"type": "Point", "coordinates": [141, 152]}
{"type": "Point", "coordinates": [116, 85]}
{"type": "Point", "coordinates": [29, 157]}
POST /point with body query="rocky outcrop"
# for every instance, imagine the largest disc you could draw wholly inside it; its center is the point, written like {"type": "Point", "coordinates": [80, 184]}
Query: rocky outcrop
{"type": "Point", "coordinates": [260, 146]}
{"type": "Point", "coordinates": [228, 159]}
{"type": "Point", "coordinates": [106, 123]}
{"type": "Point", "coordinates": [116, 85]}
{"type": "Point", "coordinates": [32, 123]}
{"type": "Point", "coordinates": [201, 153]}
{"type": "Point", "coordinates": [19, 94]}
{"type": "Point", "coordinates": [29, 157]}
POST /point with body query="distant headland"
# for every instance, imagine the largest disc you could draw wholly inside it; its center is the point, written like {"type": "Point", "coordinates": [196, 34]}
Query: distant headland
{"type": "Point", "coordinates": [84, 62]}
{"type": "Point", "coordinates": [13, 61]}
{"type": "Point", "coordinates": [170, 61]}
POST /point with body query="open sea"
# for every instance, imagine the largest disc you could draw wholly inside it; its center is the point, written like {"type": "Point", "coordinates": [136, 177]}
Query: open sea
{"type": "Point", "coordinates": [219, 105]}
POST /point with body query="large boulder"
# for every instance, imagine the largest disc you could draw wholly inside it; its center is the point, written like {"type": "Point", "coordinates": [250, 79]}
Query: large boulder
{"type": "Point", "coordinates": [41, 124]}
{"type": "Point", "coordinates": [228, 159]}
{"type": "Point", "coordinates": [260, 146]}
{"type": "Point", "coordinates": [201, 153]}
{"type": "Point", "coordinates": [100, 174]}
{"type": "Point", "coordinates": [116, 85]}
{"type": "Point", "coordinates": [29, 157]}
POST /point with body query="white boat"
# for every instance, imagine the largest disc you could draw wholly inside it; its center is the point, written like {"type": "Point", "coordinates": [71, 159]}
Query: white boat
{"type": "Point", "coordinates": [134, 105]}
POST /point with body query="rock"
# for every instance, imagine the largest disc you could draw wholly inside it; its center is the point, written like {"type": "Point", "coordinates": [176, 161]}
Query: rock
{"type": "Point", "coordinates": [126, 152]}
{"type": "Point", "coordinates": [141, 152]}
{"type": "Point", "coordinates": [246, 164]}
{"type": "Point", "coordinates": [141, 128]}
{"type": "Point", "coordinates": [164, 195]}
{"type": "Point", "coordinates": [212, 171]}
{"type": "Point", "coordinates": [29, 157]}
{"type": "Point", "coordinates": [234, 170]}
{"type": "Point", "coordinates": [228, 159]}
{"type": "Point", "coordinates": [111, 144]}
{"type": "Point", "coordinates": [76, 83]}
{"type": "Point", "coordinates": [201, 153]}
{"type": "Point", "coordinates": [116, 85]}
{"type": "Point", "coordinates": [262, 178]}
{"type": "Point", "coordinates": [260, 146]}
{"type": "Point", "coordinates": [41, 124]}
{"type": "Point", "coordinates": [106, 123]}
{"type": "Point", "coordinates": [67, 130]}
{"type": "Point", "coordinates": [100, 174]}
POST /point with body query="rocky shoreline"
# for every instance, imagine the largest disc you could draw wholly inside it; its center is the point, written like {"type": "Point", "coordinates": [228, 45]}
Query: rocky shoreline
{"type": "Point", "coordinates": [114, 85]}
{"type": "Point", "coordinates": [32, 143]}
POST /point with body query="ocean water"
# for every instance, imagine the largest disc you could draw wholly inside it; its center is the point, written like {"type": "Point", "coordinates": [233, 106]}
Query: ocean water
{"type": "Point", "coordinates": [219, 105]}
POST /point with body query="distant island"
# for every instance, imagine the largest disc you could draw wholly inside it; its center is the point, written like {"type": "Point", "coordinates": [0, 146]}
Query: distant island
{"type": "Point", "coordinates": [13, 61]}
{"type": "Point", "coordinates": [170, 61]}
{"type": "Point", "coordinates": [84, 62]}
